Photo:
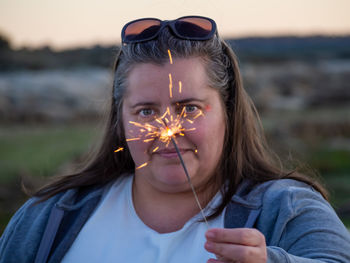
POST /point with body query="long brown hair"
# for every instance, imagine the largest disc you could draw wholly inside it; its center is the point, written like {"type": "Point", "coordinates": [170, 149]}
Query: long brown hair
{"type": "Point", "coordinates": [245, 154]}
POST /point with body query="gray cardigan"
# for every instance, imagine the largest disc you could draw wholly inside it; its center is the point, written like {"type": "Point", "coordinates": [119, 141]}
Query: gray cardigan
{"type": "Point", "coordinates": [298, 224]}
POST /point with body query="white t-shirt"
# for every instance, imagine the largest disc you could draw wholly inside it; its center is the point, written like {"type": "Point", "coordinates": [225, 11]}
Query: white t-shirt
{"type": "Point", "coordinates": [115, 233]}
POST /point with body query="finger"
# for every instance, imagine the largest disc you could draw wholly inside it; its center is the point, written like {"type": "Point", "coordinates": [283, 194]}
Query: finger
{"type": "Point", "coordinates": [242, 236]}
{"type": "Point", "coordinates": [236, 252]}
{"type": "Point", "coordinates": [212, 260]}
{"type": "Point", "coordinates": [223, 260]}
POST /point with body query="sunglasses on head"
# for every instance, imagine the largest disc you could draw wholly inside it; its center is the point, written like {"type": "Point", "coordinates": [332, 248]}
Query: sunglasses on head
{"type": "Point", "coordinates": [187, 27]}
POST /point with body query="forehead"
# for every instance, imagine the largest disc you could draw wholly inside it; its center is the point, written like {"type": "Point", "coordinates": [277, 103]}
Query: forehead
{"type": "Point", "coordinates": [150, 79]}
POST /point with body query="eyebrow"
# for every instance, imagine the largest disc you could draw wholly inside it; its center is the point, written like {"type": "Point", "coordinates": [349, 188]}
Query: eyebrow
{"type": "Point", "coordinates": [150, 103]}
{"type": "Point", "coordinates": [145, 103]}
{"type": "Point", "coordinates": [188, 100]}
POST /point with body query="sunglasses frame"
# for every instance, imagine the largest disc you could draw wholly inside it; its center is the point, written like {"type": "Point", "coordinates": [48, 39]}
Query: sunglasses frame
{"type": "Point", "coordinates": [171, 25]}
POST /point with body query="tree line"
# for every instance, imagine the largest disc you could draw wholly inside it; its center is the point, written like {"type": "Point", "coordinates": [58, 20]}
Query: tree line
{"type": "Point", "coordinates": [249, 49]}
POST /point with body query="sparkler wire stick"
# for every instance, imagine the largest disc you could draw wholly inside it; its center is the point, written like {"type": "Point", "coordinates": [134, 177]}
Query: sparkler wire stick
{"type": "Point", "coordinates": [189, 181]}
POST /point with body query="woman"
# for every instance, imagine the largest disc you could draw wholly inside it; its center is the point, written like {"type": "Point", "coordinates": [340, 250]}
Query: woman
{"type": "Point", "coordinates": [177, 83]}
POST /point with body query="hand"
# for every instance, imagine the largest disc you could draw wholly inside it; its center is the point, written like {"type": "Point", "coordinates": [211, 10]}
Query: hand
{"type": "Point", "coordinates": [243, 245]}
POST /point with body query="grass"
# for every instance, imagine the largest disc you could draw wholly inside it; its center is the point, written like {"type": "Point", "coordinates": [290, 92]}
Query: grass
{"type": "Point", "coordinates": [331, 161]}
{"type": "Point", "coordinates": [40, 150]}
{"type": "Point", "coordinates": [334, 167]}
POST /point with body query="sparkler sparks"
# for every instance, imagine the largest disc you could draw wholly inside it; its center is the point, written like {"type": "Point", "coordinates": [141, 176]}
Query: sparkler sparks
{"type": "Point", "coordinates": [170, 57]}
{"type": "Point", "coordinates": [200, 113]}
{"type": "Point", "coordinates": [170, 85]}
{"type": "Point", "coordinates": [132, 139]}
{"type": "Point", "coordinates": [119, 149]}
{"type": "Point", "coordinates": [142, 165]}
{"type": "Point", "coordinates": [155, 149]}
{"type": "Point", "coordinates": [169, 127]}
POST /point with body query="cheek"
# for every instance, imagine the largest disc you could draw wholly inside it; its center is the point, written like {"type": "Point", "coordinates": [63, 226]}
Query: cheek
{"type": "Point", "coordinates": [134, 140]}
{"type": "Point", "coordinates": [209, 133]}
{"type": "Point", "coordinates": [199, 136]}
{"type": "Point", "coordinates": [139, 151]}
{"type": "Point", "coordinates": [137, 148]}
{"type": "Point", "coordinates": [196, 131]}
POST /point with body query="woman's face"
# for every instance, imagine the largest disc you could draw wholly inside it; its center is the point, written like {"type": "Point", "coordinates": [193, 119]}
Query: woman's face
{"type": "Point", "coordinates": [147, 97]}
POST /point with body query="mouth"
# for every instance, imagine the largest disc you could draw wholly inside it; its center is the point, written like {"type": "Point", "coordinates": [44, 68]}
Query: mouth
{"type": "Point", "coordinates": [170, 152]}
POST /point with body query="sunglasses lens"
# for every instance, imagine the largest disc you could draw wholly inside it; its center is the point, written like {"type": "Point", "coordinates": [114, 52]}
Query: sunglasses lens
{"type": "Point", "coordinates": [141, 30]}
{"type": "Point", "coordinates": [194, 27]}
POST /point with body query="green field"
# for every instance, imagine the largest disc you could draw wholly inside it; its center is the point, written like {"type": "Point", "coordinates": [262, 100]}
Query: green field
{"type": "Point", "coordinates": [40, 150]}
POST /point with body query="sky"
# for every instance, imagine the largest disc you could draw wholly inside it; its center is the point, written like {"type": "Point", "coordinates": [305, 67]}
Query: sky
{"type": "Point", "coordinates": [71, 23]}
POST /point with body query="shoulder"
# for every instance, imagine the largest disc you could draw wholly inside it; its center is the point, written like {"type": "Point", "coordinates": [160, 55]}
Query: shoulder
{"type": "Point", "coordinates": [33, 209]}
{"type": "Point", "coordinates": [35, 212]}
{"type": "Point", "coordinates": [25, 229]}
{"type": "Point", "coordinates": [274, 192]}
{"type": "Point", "coordinates": [281, 202]}
{"type": "Point", "coordinates": [292, 198]}
{"type": "Point", "coordinates": [290, 208]}
{"type": "Point", "coordinates": [287, 196]}
{"type": "Point", "coordinates": [289, 192]}
{"type": "Point", "coordinates": [262, 202]}
{"type": "Point", "coordinates": [23, 232]}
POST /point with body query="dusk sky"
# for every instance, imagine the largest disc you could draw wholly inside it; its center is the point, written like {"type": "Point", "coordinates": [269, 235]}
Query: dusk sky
{"type": "Point", "coordinates": [71, 23]}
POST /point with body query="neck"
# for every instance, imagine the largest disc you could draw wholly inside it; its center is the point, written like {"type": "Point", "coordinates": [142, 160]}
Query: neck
{"type": "Point", "coordinates": [166, 212]}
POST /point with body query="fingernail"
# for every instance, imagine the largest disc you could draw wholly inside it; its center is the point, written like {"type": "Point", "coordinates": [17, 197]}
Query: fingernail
{"type": "Point", "coordinates": [209, 245]}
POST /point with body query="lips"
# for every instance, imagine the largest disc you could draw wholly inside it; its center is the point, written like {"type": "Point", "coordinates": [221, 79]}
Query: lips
{"type": "Point", "coordinates": [170, 153]}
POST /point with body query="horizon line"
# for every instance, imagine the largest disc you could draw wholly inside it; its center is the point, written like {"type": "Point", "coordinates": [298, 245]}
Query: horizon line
{"type": "Point", "coordinates": [91, 44]}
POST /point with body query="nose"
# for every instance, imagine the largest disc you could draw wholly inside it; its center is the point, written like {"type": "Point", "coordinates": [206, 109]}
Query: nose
{"type": "Point", "coordinates": [171, 112]}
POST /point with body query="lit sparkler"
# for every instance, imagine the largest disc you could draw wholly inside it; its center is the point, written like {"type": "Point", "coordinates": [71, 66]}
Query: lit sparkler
{"type": "Point", "coordinates": [169, 126]}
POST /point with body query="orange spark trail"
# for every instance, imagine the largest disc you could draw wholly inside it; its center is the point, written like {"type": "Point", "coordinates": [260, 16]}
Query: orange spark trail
{"type": "Point", "coordinates": [199, 114]}
{"type": "Point", "coordinates": [119, 149]}
{"type": "Point", "coordinates": [155, 149]}
{"type": "Point", "coordinates": [170, 86]}
{"type": "Point", "coordinates": [142, 165]}
{"type": "Point", "coordinates": [170, 57]}
{"type": "Point", "coordinates": [180, 86]}
{"type": "Point", "coordinates": [132, 139]}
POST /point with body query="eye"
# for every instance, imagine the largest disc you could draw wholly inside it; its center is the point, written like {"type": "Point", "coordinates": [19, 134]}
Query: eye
{"type": "Point", "coordinates": [145, 113]}
{"type": "Point", "coordinates": [190, 108]}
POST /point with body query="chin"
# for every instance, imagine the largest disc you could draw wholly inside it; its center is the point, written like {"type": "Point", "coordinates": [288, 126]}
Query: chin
{"type": "Point", "coordinates": [172, 178]}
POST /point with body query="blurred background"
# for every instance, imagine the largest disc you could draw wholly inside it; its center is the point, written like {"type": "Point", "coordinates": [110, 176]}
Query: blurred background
{"type": "Point", "coordinates": [55, 78]}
